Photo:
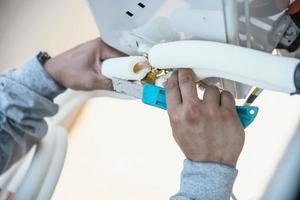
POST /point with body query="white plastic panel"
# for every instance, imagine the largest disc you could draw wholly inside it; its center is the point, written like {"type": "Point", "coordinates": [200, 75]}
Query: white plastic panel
{"type": "Point", "coordinates": [129, 25]}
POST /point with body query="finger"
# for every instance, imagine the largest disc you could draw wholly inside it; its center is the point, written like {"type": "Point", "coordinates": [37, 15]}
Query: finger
{"type": "Point", "coordinates": [187, 85]}
{"type": "Point", "coordinates": [173, 91]}
{"type": "Point", "coordinates": [227, 100]}
{"type": "Point", "coordinates": [109, 52]}
{"type": "Point", "coordinates": [212, 96]}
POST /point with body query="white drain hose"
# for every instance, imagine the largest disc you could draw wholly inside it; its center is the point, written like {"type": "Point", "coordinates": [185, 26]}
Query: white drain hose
{"type": "Point", "coordinates": [212, 59]}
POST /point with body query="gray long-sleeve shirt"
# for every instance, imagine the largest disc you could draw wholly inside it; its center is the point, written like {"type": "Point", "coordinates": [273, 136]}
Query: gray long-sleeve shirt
{"type": "Point", "coordinates": [26, 98]}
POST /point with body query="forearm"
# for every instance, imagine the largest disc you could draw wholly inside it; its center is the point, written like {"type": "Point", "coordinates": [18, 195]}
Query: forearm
{"type": "Point", "coordinates": [26, 98]}
{"type": "Point", "coordinates": [209, 181]}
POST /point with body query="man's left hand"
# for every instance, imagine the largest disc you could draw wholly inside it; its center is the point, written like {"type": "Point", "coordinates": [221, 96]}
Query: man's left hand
{"type": "Point", "coordinates": [80, 67]}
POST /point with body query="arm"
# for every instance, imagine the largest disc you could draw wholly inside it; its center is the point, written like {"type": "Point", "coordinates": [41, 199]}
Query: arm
{"type": "Point", "coordinates": [26, 95]}
{"type": "Point", "coordinates": [209, 181]}
{"type": "Point", "coordinates": [210, 135]}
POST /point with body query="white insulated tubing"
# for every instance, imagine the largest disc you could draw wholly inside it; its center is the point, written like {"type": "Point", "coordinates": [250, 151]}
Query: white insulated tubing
{"type": "Point", "coordinates": [212, 59]}
{"type": "Point", "coordinates": [127, 68]}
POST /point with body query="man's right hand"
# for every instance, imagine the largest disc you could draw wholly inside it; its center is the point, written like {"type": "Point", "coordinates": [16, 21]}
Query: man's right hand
{"type": "Point", "coordinates": [207, 130]}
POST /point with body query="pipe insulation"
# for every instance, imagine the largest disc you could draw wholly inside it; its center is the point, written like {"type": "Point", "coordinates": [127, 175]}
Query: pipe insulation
{"type": "Point", "coordinates": [129, 68]}
{"type": "Point", "coordinates": [212, 59]}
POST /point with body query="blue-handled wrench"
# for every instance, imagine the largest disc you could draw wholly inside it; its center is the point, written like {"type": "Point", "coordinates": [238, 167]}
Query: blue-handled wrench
{"type": "Point", "coordinates": [156, 96]}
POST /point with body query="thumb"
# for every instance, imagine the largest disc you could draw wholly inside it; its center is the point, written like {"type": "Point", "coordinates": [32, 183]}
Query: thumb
{"type": "Point", "coordinates": [102, 83]}
{"type": "Point", "coordinates": [109, 52]}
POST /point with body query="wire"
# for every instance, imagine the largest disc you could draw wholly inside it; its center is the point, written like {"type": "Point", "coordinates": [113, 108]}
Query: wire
{"type": "Point", "coordinates": [233, 196]}
{"type": "Point", "coordinates": [252, 97]}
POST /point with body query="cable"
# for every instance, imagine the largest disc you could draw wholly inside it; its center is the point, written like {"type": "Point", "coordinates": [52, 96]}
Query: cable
{"type": "Point", "coordinates": [252, 97]}
{"type": "Point", "coordinates": [233, 197]}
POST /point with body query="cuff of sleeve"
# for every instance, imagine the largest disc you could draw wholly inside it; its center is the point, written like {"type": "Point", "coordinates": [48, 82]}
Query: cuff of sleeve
{"type": "Point", "coordinates": [215, 179]}
{"type": "Point", "coordinates": [207, 167]}
{"type": "Point", "coordinates": [34, 76]}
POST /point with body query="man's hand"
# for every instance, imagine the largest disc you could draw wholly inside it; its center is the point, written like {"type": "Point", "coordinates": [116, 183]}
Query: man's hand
{"type": "Point", "coordinates": [80, 67]}
{"type": "Point", "coordinates": [206, 130]}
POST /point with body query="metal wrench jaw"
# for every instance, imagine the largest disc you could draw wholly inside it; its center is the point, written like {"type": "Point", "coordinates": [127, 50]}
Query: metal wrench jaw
{"type": "Point", "coordinates": [126, 87]}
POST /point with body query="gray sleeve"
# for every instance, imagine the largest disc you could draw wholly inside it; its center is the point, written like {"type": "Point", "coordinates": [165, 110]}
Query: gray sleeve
{"type": "Point", "coordinates": [209, 181]}
{"type": "Point", "coordinates": [26, 97]}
